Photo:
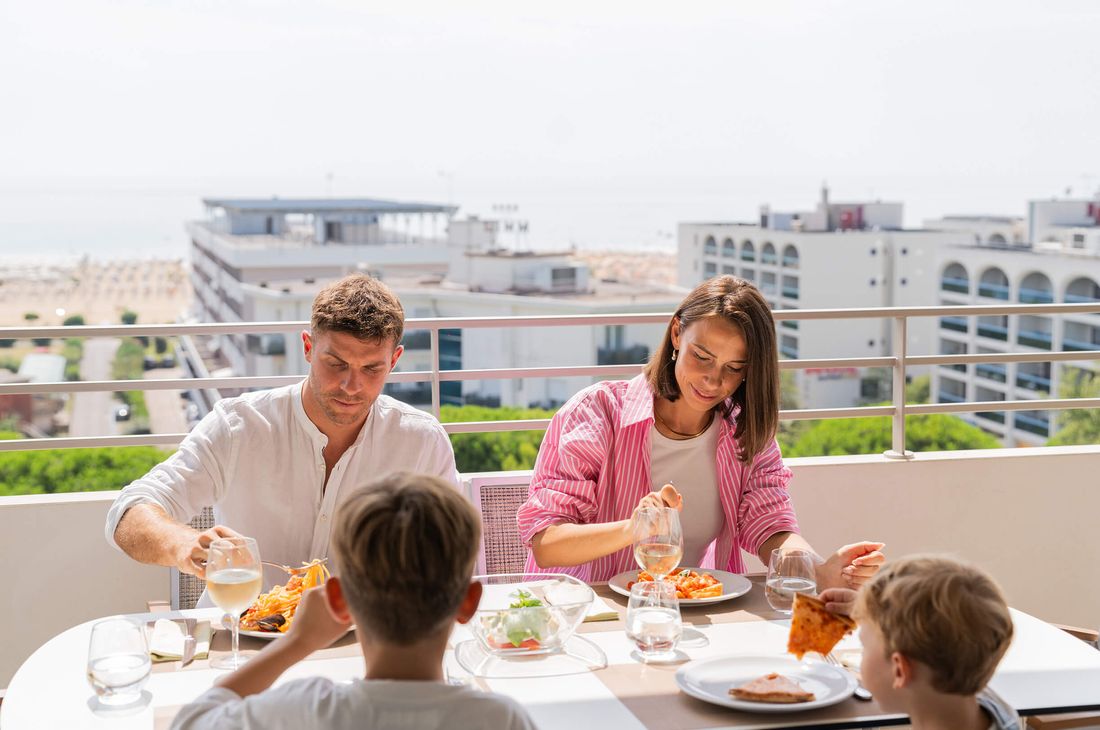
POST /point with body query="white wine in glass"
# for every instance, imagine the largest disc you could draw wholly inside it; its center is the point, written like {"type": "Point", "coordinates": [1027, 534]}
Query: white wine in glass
{"type": "Point", "coordinates": [234, 579]}
{"type": "Point", "coordinates": [658, 540]}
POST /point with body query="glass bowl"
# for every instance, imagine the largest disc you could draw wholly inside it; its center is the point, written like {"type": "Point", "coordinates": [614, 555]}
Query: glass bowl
{"type": "Point", "coordinates": [524, 614]}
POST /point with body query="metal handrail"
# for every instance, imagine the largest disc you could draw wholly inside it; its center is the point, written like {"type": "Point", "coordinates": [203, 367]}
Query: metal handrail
{"type": "Point", "coordinates": [899, 362]}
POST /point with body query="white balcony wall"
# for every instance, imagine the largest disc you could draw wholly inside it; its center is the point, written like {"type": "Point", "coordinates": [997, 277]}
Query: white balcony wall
{"type": "Point", "coordinates": [1026, 515]}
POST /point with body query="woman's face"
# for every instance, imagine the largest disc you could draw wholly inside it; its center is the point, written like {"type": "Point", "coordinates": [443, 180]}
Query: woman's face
{"type": "Point", "coordinates": [711, 361]}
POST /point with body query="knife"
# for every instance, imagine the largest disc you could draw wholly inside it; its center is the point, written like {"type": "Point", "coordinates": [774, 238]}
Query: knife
{"type": "Point", "coordinates": [189, 642]}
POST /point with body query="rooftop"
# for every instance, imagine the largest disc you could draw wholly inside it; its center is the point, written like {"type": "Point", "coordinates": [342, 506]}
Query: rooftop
{"type": "Point", "coordinates": [325, 205]}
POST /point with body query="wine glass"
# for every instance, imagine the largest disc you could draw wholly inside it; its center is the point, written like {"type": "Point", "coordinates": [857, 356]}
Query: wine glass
{"type": "Point", "coordinates": [233, 580]}
{"type": "Point", "coordinates": [653, 620]}
{"type": "Point", "coordinates": [658, 540]}
{"type": "Point", "coordinates": [790, 571]}
{"type": "Point", "coordinates": [118, 661]}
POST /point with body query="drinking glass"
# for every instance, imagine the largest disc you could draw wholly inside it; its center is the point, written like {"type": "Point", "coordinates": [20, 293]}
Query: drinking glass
{"type": "Point", "coordinates": [118, 661]}
{"type": "Point", "coordinates": [653, 620]}
{"type": "Point", "coordinates": [790, 571]}
{"type": "Point", "coordinates": [233, 580]}
{"type": "Point", "coordinates": [658, 540]}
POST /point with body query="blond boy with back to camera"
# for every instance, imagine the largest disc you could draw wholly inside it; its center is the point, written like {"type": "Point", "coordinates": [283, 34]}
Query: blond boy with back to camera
{"type": "Point", "coordinates": [405, 548]}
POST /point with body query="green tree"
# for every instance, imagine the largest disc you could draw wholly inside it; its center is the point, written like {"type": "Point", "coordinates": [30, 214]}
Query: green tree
{"type": "Point", "coordinates": [128, 317]}
{"type": "Point", "coordinates": [74, 320]}
{"type": "Point", "coordinates": [936, 432]}
{"type": "Point", "coordinates": [73, 351]}
{"type": "Point", "coordinates": [501, 451]}
{"type": "Point", "coordinates": [1078, 426]}
{"type": "Point", "coordinates": [129, 365]}
{"type": "Point", "coordinates": [919, 389]}
{"type": "Point", "coordinates": [31, 318]}
{"type": "Point", "coordinates": [73, 470]}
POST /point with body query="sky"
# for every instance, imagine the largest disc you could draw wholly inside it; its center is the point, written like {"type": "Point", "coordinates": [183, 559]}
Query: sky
{"type": "Point", "coordinates": [606, 123]}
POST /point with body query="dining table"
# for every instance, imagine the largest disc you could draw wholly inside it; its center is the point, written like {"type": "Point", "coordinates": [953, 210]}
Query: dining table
{"type": "Point", "coordinates": [601, 683]}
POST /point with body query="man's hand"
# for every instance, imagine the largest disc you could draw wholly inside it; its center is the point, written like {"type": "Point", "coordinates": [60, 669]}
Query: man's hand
{"type": "Point", "coordinates": [839, 600]}
{"type": "Point", "coordinates": [315, 626]}
{"type": "Point", "coordinates": [191, 555]}
{"type": "Point", "coordinates": [851, 566]}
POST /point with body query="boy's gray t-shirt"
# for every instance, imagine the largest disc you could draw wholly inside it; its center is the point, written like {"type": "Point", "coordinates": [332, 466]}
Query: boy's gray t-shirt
{"type": "Point", "coordinates": [318, 702]}
{"type": "Point", "coordinates": [1002, 714]}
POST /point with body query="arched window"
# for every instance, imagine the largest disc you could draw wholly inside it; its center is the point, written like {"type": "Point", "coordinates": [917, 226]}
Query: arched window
{"type": "Point", "coordinates": [728, 248]}
{"type": "Point", "coordinates": [748, 251]}
{"type": "Point", "coordinates": [1082, 289]}
{"type": "Point", "coordinates": [955, 279]}
{"type": "Point", "coordinates": [1036, 289]}
{"type": "Point", "coordinates": [710, 246]}
{"type": "Point", "coordinates": [767, 254]}
{"type": "Point", "coordinates": [790, 257]}
{"type": "Point", "coordinates": [993, 284]}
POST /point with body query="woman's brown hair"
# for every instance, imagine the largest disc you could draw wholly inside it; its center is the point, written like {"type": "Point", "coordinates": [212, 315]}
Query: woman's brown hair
{"type": "Point", "coordinates": [741, 304]}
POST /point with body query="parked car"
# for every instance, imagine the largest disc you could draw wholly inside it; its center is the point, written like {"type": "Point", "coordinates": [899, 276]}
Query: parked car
{"type": "Point", "coordinates": [122, 413]}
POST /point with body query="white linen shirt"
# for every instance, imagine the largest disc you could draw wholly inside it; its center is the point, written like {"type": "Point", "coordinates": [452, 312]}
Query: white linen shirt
{"type": "Point", "coordinates": [257, 459]}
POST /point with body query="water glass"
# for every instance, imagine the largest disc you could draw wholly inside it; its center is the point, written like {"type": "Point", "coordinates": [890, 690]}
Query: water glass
{"type": "Point", "coordinates": [653, 620]}
{"type": "Point", "coordinates": [234, 579]}
{"type": "Point", "coordinates": [658, 540]}
{"type": "Point", "coordinates": [790, 571]}
{"type": "Point", "coordinates": [118, 661]}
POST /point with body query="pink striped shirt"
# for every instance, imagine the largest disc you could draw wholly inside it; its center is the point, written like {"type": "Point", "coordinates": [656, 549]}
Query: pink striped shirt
{"type": "Point", "coordinates": [593, 467]}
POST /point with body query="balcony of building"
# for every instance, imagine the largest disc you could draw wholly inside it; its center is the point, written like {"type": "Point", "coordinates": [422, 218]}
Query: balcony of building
{"type": "Point", "coordinates": [1036, 289]}
{"type": "Point", "coordinates": [748, 251]}
{"type": "Point", "coordinates": [790, 257]}
{"type": "Point", "coordinates": [729, 249]}
{"type": "Point", "coordinates": [955, 280]}
{"type": "Point", "coordinates": [957, 502]}
{"type": "Point", "coordinates": [993, 284]}
{"type": "Point", "coordinates": [1037, 332]}
{"type": "Point", "coordinates": [768, 255]}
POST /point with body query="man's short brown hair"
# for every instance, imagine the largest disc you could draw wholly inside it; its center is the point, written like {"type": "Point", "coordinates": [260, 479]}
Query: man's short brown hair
{"type": "Point", "coordinates": [361, 306]}
{"type": "Point", "coordinates": [945, 614]}
{"type": "Point", "coordinates": [405, 548]}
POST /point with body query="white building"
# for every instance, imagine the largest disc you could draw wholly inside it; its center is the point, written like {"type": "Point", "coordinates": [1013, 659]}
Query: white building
{"type": "Point", "coordinates": [471, 275]}
{"type": "Point", "coordinates": [247, 244]}
{"type": "Point", "coordinates": [1061, 265]}
{"type": "Point", "coordinates": [838, 255]}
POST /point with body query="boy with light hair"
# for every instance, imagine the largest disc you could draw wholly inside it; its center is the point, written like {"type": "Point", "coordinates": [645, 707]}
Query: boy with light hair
{"type": "Point", "coordinates": [933, 631]}
{"type": "Point", "coordinates": [405, 548]}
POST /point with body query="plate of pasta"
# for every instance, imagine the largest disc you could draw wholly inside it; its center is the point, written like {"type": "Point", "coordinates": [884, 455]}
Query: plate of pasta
{"type": "Point", "coordinates": [272, 613]}
{"type": "Point", "coordinates": [694, 586]}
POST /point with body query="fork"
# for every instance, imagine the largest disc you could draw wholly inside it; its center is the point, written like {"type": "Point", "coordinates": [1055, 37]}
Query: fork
{"type": "Point", "coordinates": [861, 692]}
{"type": "Point", "coordinates": [287, 568]}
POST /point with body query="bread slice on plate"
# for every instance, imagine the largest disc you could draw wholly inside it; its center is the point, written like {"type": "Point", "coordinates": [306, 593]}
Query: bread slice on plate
{"type": "Point", "coordinates": [773, 688]}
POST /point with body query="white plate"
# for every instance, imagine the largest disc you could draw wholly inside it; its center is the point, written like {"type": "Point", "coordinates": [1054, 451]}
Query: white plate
{"type": "Point", "coordinates": [733, 585]}
{"type": "Point", "coordinates": [712, 679]}
{"type": "Point", "coordinates": [271, 634]}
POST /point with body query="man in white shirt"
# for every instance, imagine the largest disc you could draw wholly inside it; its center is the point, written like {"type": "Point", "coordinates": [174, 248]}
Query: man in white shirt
{"type": "Point", "coordinates": [276, 464]}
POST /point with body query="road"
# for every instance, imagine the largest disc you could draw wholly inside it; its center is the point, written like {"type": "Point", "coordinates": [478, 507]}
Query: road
{"type": "Point", "coordinates": [166, 413]}
{"type": "Point", "coordinates": [93, 413]}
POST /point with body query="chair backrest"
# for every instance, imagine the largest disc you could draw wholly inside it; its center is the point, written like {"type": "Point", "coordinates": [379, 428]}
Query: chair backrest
{"type": "Point", "coordinates": [186, 589]}
{"type": "Point", "coordinates": [497, 497]}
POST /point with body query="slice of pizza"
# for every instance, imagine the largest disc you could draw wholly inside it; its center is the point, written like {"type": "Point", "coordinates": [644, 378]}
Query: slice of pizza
{"type": "Point", "coordinates": [813, 628]}
{"type": "Point", "coordinates": [774, 688]}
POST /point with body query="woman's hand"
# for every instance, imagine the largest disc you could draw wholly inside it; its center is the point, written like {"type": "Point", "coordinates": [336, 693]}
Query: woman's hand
{"type": "Point", "coordinates": [839, 600]}
{"type": "Point", "coordinates": [851, 566]}
{"type": "Point", "coordinates": [666, 496]}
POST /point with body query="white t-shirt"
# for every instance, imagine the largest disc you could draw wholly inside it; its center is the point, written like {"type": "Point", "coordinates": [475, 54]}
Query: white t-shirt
{"type": "Point", "coordinates": [690, 465]}
{"type": "Point", "coordinates": [318, 702]}
{"type": "Point", "coordinates": [257, 459]}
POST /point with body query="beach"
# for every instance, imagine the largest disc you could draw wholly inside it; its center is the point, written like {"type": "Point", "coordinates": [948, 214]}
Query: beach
{"type": "Point", "coordinates": [158, 290]}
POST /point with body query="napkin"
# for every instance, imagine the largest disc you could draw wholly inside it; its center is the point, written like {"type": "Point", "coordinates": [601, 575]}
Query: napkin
{"type": "Point", "coordinates": [166, 640]}
{"type": "Point", "coordinates": [600, 610]}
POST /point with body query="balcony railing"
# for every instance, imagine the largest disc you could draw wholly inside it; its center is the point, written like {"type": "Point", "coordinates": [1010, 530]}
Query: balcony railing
{"type": "Point", "coordinates": [1080, 298]}
{"type": "Point", "coordinates": [991, 416]}
{"type": "Point", "coordinates": [1079, 345]}
{"type": "Point", "coordinates": [993, 331]}
{"type": "Point", "coordinates": [1035, 338]}
{"type": "Point", "coordinates": [993, 291]}
{"type": "Point", "coordinates": [955, 324]}
{"type": "Point", "coordinates": [899, 362]}
{"type": "Point", "coordinates": [950, 283]}
{"type": "Point", "coordinates": [1032, 382]}
{"type": "Point", "coordinates": [992, 372]}
{"type": "Point", "coordinates": [768, 258]}
{"type": "Point", "coordinates": [748, 256]}
{"type": "Point", "coordinates": [1036, 296]}
{"type": "Point", "coordinates": [790, 262]}
{"type": "Point", "coordinates": [1032, 424]}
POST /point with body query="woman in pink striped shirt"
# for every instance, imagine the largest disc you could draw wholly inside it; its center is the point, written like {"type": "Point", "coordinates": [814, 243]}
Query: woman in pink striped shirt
{"type": "Point", "coordinates": [703, 414]}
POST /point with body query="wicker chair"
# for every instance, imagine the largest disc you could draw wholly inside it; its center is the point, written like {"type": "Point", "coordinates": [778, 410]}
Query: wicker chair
{"type": "Point", "coordinates": [186, 589]}
{"type": "Point", "coordinates": [497, 497]}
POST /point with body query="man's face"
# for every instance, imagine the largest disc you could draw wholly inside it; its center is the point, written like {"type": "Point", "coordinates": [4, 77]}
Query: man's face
{"type": "Point", "coordinates": [346, 374]}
